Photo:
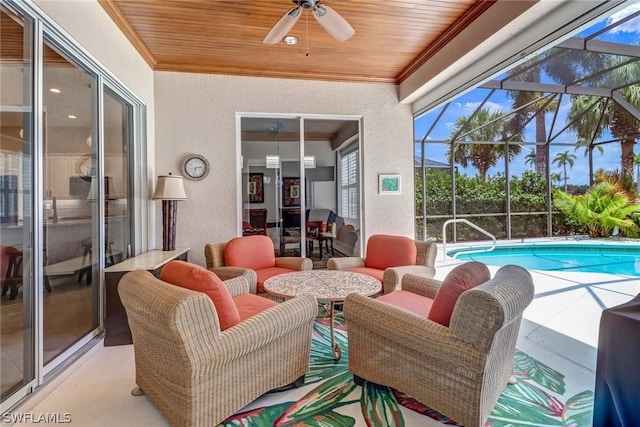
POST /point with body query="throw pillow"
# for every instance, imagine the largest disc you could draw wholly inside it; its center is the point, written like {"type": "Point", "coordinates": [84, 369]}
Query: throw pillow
{"type": "Point", "coordinates": [197, 278]}
{"type": "Point", "coordinates": [253, 252]}
{"type": "Point", "coordinates": [384, 251]}
{"type": "Point", "coordinates": [461, 278]}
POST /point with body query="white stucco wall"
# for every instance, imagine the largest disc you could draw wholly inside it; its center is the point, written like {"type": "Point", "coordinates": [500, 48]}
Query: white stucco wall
{"type": "Point", "coordinates": [196, 113]}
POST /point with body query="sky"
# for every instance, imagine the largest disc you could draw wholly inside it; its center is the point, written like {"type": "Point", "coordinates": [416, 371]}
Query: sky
{"type": "Point", "coordinates": [465, 105]}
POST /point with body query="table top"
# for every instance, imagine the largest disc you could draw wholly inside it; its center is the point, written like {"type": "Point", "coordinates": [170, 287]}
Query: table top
{"type": "Point", "coordinates": [325, 285]}
{"type": "Point", "coordinates": [148, 261]}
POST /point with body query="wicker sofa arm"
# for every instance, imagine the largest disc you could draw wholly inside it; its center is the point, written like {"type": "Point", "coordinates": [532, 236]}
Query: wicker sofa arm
{"type": "Point", "coordinates": [263, 329]}
{"type": "Point", "coordinates": [421, 285]}
{"type": "Point", "coordinates": [399, 328]}
{"type": "Point", "coordinates": [345, 263]}
{"type": "Point", "coordinates": [226, 273]}
{"type": "Point", "coordinates": [237, 286]}
{"type": "Point", "coordinates": [392, 277]}
{"type": "Point", "coordinates": [487, 308]}
{"type": "Point", "coordinates": [427, 252]}
{"type": "Point", "coordinates": [214, 254]}
{"type": "Point", "coordinates": [294, 263]}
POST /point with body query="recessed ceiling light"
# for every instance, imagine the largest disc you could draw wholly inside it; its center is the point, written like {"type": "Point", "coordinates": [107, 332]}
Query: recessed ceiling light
{"type": "Point", "coordinates": [290, 40]}
{"type": "Point", "coordinates": [54, 90]}
{"type": "Point", "coordinates": [71, 116]}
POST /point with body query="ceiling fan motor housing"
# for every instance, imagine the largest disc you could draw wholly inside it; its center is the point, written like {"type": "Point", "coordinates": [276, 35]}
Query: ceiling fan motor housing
{"type": "Point", "coordinates": [306, 4]}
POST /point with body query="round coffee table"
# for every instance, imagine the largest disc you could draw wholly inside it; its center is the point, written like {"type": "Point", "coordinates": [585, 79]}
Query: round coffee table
{"type": "Point", "coordinates": [330, 286]}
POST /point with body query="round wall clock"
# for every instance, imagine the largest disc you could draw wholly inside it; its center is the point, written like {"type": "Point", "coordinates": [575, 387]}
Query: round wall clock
{"type": "Point", "coordinates": [195, 167]}
{"type": "Point", "coordinates": [85, 167]}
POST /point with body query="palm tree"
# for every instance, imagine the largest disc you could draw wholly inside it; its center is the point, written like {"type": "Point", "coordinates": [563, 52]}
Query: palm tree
{"type": "Point", "coordinates": [483, 126]}
{"type": "Point", "coordinates": [555, 177]}
{"type": "Point", "coordinates": [530, 158]}
{"type": "Point", "coordinates": [586, 111]}
{"type": "Point", "coordinates": [563, 159]}
{"type": "Point", "coordinates": [588, 147]}
{"type": "Point", "coordinates": [552, 62]}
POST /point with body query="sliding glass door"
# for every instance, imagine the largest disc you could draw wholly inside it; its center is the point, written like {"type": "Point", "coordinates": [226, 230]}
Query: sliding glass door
{"type": "Point", "coordinates": [71, 223]}
{"type": "Point", "coordinates": [290, 169]}
{"type": "Point", "coordinates": [17, 334]}
{"type": "Point", "coordinates": [67, 147]}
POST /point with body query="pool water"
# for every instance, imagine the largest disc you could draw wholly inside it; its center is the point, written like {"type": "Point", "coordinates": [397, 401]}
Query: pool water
{"type": "Point", "coordinates": [594, 258]}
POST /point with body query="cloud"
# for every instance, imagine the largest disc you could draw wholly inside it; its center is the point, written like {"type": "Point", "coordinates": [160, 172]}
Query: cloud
{"type": "Point", "coordinates": [470, 107]}
{"type": "Point", "coordinates": [632, 26]}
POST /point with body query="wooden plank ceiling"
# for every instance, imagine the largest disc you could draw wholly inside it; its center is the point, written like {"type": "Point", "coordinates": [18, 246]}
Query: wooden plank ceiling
{"type": "Point", "coordinates": [392, 39]}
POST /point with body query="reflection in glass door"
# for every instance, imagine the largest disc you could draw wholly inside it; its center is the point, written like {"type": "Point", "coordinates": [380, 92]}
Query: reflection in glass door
{"type": "Point", "coordinates": [271, 182]}
{"type": "Point", "coordinates": [312, 209]}
{"type": "Point", "coordinates": [71, 208]}
{"type": "Point", "coordinates": [66, 196]}
{"type": "Point", "coordinates": [16, 190]}
{"type": "Point", "coordinates": [118, 116]}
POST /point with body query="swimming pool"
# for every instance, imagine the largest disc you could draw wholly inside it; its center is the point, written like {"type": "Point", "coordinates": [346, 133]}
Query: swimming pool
{"type": "Point", "coordinates": [591, 257]}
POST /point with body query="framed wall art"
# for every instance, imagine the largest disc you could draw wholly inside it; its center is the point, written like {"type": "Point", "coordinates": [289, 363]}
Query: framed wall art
{"type": "Point", "coordinates": [389, 184]}
{"type": "Point", "coordinates": [256, 188]}
{"type": "Point", "coordinates": [291, 192]}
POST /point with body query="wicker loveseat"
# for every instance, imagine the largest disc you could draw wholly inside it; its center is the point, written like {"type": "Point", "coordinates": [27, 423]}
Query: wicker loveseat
{"type": "Point", "coordinates": [198, 375]}
{"type": "Point", "coordinates": [459, 370]}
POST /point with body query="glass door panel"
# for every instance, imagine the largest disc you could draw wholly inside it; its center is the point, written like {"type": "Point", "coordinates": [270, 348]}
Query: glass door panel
{"type": "Point", "coordinates": [71, 208]}
{"type": "Point", "coordinates": [271, 181]}
{"type": "Point", "coordinates": [16, 221]}
{"type": "Point", "coordinates": [117, 145]}
{"type": "Point", "coordinates": [289, 188]}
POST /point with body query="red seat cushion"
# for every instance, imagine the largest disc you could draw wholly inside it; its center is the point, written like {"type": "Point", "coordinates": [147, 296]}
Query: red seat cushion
{"type": "Point", "coordinates": [414, 303]}
{"type": "Point", "coordinates": [250, 304]}
{"type": "Point", "coordinates": [253, 252]}
{"type": "Point", "coordinates": [266, 273]}
{"type": "Point", "coordinates": [384, 251]}
{"type": "Point", "coordinates": [197, 278]}
{"type": "Point", "coordinates": [461, 278]}
{"type": "Point", "coordinates": [373, 272]}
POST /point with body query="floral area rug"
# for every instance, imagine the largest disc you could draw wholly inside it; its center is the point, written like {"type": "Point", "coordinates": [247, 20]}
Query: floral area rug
{"type": "Point", "coordinates": [331, 398]}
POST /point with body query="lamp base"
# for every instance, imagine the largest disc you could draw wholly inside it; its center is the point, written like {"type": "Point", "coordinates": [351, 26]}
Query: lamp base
{"type": "Point", "coordinates": [169, 212]}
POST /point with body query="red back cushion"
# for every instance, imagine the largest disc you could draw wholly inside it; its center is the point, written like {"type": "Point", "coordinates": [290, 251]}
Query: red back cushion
{"type": "Point", "coordinates": [384, 251]}
{"type": "Point", "coordinates": [461, 278]}
{"type": "Point", "coordinates": [197, 278]}
{"type": "Point", "coordinates": [253, 252]}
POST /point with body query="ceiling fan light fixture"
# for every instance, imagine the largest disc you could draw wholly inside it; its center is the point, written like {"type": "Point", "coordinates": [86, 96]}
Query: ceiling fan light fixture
{"type": "Point", "coordinates": [290, 40]}
{"type": "Point", "coordinates": [328, 18]}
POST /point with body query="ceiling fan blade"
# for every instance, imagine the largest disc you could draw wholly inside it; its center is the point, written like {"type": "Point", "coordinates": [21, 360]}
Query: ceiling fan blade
{"type": "Point", "coordinates": [282, 27]}
{"type": "Point", "coordinates": [333, 23]}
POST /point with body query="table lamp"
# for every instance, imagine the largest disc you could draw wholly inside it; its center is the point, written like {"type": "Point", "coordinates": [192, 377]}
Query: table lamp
{"type": "Point", "coordinates": [169, 189]}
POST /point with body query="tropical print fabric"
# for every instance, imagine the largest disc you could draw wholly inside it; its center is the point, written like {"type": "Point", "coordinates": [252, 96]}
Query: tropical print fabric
{"type": "Point", "coordinates": [331, 398]}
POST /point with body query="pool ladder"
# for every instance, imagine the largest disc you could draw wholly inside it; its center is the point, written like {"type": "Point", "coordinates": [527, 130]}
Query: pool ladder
{"type": "Point", "coordinates": [471, 251]}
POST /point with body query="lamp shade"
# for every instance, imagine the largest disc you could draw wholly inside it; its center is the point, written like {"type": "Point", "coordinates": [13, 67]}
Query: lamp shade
{"type": "Point", "coordinates": [169, 187]}
{"type": "Point", "coordinates": [108, 189]}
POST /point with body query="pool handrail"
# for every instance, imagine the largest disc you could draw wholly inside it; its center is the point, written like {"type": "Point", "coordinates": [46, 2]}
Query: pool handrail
{"type": "Point", "coordinates": [472, 251]}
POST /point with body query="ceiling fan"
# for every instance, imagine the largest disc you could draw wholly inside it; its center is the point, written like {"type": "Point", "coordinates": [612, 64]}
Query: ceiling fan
{"type": "Point", "coordinates": [330, 20]}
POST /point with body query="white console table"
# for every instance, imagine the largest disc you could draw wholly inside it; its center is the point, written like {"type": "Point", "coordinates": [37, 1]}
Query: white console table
{"type": "Point", "coordinates": [117, 330]}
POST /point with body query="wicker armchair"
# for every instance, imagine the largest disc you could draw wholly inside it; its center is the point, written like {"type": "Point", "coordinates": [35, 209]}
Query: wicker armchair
{"type": "Point", "coordinates": [197, 375]}
{"type": "Point", "coordinates": [424, 264]}
{"type": "Point", "coordinates": [459, 370]}
{"type": "Point", "coordinates": [258, 248]}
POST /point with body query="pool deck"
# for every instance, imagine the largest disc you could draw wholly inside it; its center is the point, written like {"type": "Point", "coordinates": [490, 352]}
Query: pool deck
{"type": "Point", "coordinates": [561, 325]}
